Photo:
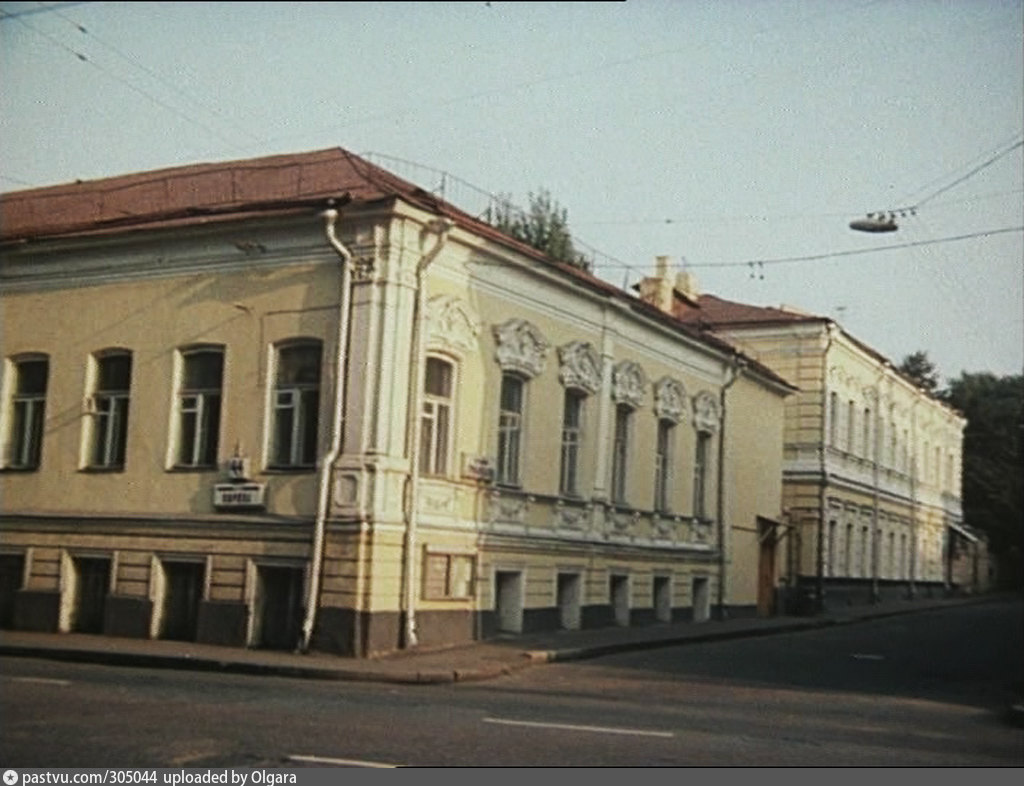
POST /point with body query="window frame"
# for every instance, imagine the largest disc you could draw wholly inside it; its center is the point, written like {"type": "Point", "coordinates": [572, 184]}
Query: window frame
{"type": "Point", "coordinates": [573, 401]}
{"type": "Point", "coordinates": [436, 452]}
{"type": "Point", "coordinates": [306, 420]}
{"type": "Point", "coordinates": [458, 584]}
{"type": "Point", "coordinates": [701, 465]}
{"type": "Point", "coordinates": [622, 436]}
{"type": "Point", "coordinates": [833, 419]}
{"type": "Point", "coordinates": [202, 401]}
{"type": "Point", "coordinates": [109, 409]}
{"type": "Point", "coordinates": [24, 434]}
{"type": "Point", "coordinates": [663, 460]}
{"type": "Point", "coordinates": [508, 463]}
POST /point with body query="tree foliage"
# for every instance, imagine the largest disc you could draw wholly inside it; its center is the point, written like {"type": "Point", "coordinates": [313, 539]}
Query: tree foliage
{"type": "Point", "coordinates": [993, 461]}
{"type": "Point", "coordinates": [921, 371]}
{"type": "Point", "coordinates": [544, 226]}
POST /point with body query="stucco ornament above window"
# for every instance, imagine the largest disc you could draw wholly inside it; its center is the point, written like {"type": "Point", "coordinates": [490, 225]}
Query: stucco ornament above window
{"type": "Point", "coordinates": [669, 399]}
{"type": "Point", "coordinates": [629, 384]}
{"type": "Point", "coordinates": [521, 347]}
{"type": "Point", "coordinates": [706, 416]}
{"type": "Point", "coordinates": [580, 366]}
{"type": "Point", "coordinates": [451, 324]}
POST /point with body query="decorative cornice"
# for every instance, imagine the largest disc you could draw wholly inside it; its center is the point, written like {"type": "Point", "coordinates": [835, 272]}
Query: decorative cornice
{"type": "Point", "coordinates": [521, 347]}
{"type": "Point", "coordinates": [580, 366]}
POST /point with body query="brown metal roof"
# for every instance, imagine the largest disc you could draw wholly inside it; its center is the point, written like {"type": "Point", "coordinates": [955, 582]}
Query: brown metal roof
{"type": "Point", "coordinates": [716, 312]}
{"type": "Point", "coordinates": [196, 190]}
{"type": "Point", "coordinates": [201, 193]}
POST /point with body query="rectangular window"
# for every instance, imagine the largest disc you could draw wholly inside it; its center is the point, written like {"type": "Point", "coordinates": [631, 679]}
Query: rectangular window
{"type": "Point", "coordinates": [572, 433]}
{"type": "Point", "coordinates": [28, 405]}
{"type": "Point", "coordinates": [510, 429]}
{"type": "Point", "coordinates": [851, 426]}
{"type": "Point", "coordinates": [892, 555]}
{"type": "Point", "coordinates": [202, 376]}
{"type": "Point", "coordinates": [700, 474]}
{"type": "Point", "coordinates": [864, 557]}
{"type": "Point", "coordinates": [435, 421]}
{"type": "Point", "coordinates": [296, 406]}
{"type": "Point", "coordinates": [831, 569]}
{"type": "Point", "coordinates": [867, 450]}
{"type": "Point", "coordinates": [447, 576]}
{"type": "Point", "coordinates": [110, 410]}
{"type": "Point", "coordinates": [663, 465]}
{"type": "Point", "coordinates": [833, 419]}
{"type": "Point", "coordinates": [620, 451]}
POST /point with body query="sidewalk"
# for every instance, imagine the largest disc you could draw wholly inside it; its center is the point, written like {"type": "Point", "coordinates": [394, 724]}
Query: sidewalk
{"type": "Point", "coordinates": [476, 661]}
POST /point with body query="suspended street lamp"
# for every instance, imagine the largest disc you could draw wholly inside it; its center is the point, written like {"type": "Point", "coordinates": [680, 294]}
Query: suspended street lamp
{"type": "Point", "coordinates": [875, 222]}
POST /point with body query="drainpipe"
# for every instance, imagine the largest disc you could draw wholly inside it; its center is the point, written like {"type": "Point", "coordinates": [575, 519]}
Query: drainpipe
{"type": "Point", "coordinates": [735, 369]}
{"type": "Point", "coordinates": [327, 462]}
{"type": "Point", "coordinates": [417, 372]}
{"type": "Point", "coordinates": [823, 492]}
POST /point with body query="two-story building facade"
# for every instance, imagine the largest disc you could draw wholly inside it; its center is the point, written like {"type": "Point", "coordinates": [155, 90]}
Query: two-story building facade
{"type": "Point", "coordinates": [872, 462]}
{"type": "Point", "coordinates": [299, 402]}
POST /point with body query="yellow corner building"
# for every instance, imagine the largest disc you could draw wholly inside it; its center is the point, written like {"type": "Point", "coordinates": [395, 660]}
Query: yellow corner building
{"type": "Point", "coordinates": [297, 402]}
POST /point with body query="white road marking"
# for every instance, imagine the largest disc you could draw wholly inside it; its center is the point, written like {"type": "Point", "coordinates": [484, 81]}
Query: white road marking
{"type": "Point", "coordinates": [343, 762]}
{"type": "Point", "coordinates": [866, 656]}
{"type": "Point", "coordinates": [574, 727]}
{"type": "Point", "coordinates": [40, 680]}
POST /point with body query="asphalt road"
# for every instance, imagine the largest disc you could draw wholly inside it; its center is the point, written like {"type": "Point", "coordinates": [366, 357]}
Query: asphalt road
{"type": "Point", "coordinates": [927, 689]}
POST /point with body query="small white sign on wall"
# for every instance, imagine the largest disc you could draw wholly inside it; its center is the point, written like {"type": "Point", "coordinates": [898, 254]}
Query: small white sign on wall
{"type": "Point", "coordinates": [239, 495]}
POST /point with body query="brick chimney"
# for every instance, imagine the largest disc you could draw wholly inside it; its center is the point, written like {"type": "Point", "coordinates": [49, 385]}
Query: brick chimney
{"type": "Point", "coordinates": [670, 291]}
{"type": "Point", "coordinates": [658, 289]}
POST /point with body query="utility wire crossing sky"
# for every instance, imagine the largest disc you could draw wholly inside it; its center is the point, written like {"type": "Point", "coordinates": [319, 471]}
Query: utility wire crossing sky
{"type": "Point", "coordinates": [739, 137]}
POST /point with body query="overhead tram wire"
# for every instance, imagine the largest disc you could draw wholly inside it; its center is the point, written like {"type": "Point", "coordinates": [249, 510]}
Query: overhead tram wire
{"type": "Point", "coordinates": [885, 220]}
{"type": "Point", "coordinates": [973, 172]}
{"type": "Point", "coordinates": [162, 104]}
{"type": "Point", "coordinates": [45, 9]}
{"type": "Point", "coordinates": [153, 75]}
{"type": "Point", "coordinates": [952, 298]}
{"type": "Point", "coordinates": [997, 151]}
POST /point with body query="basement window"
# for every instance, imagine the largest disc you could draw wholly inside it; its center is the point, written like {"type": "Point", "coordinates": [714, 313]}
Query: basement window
{"type": "Point", "coordinates": [447, 576]}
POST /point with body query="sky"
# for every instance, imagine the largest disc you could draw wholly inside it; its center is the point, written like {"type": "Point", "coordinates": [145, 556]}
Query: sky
{"type": "Point", "coordinates": [738, 137]}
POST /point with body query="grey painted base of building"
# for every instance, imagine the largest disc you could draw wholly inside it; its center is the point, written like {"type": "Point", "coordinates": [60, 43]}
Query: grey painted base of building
{"type": "Point", "coordinates": [338, 630]}
{"type": "Point", "coordinates": [37, 610]}
{"type": "Point", "coordinates": [845, 592]}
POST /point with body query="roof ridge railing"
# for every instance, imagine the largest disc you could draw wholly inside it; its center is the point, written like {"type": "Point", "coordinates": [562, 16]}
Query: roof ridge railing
{"type": "Point", "coordinates": [484, 205]}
